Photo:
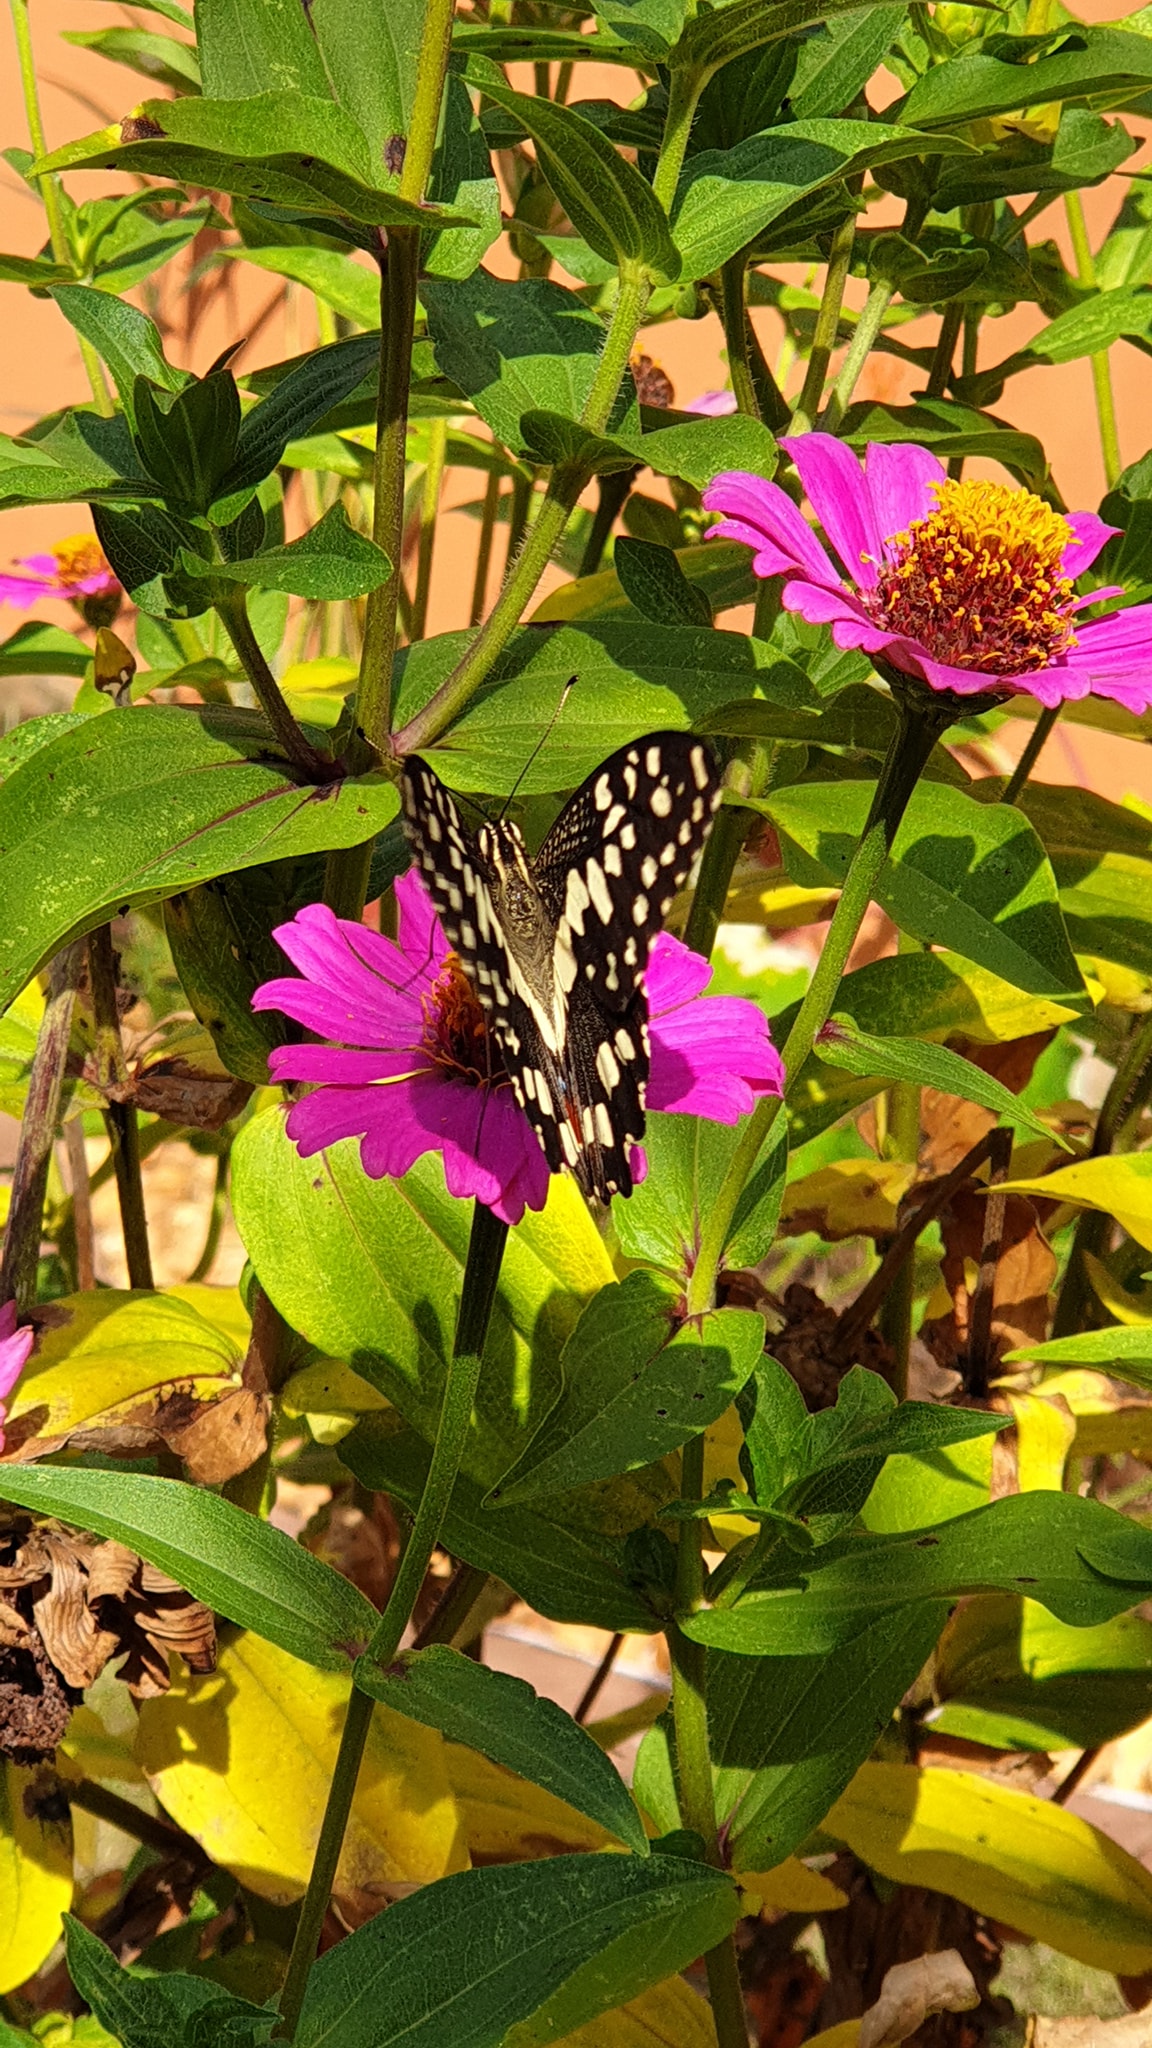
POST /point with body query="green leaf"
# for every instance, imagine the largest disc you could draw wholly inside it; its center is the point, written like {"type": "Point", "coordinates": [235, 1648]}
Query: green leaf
{"type": "Point", "coordinates": [189, 446]}
{"type": "Point", "coordinates": [370, 50]}
{"type": "Point", "coordinates": [604, 196]}
{"type": "Point", "coordinates": [342, 283]}
{"type": "Point", "coordinates": [164, 58]}
{"type": "Point", "coordinates": [136, 804]}
{"type": "Point", "coordinates": [652, 579]}
{"type": "Point", "coordinates": [515, 347]}
{"type": "Point", "coordinates": [285, 148]}
{"type": "Point", "coordinates": [462, 178]}
{"type": "Point", "coordinates": [570, 1559]}
{"type": "Point", "coordinates": [232, 1561]}
{"type": "Point", "coordinates": [724, 33]}
{"type": "Point", "coordinates": [126, 340]}
{"type": "Point", "coordinates": [722, 569]}
{"type": "Point", "coordinates": [967, 874]}
{"type": "Point", "coordinates": [1086, 149]}
{"type": "Point", "coordinates": [1083, 1561]}
{"type": "Point", "coordinates": [727, 197]}
{"type": "Point", "coordinates": [330, 561]}
{"type": "Point", "coordinates": [1101, 855]}
{"type": "Point", "coordinates": [1124, 1349]}
{"type": "Point", "coordinates": [39, 650]}
{"type": "Point", "coordinates": [836, 63]}
{"type": "Point", "coordinates": [466, 1959]}
{"type": "Point", "coordinates": [244, 48]}
{"type": "Point", "coordinates": [1040, 69]}
{"type": "Point", "coordinates": [637, 1383]}
{"type": "Point", "coordinates": [552, 439]}
{"type": "Point", "coordinates": [506, 1721]}
{"type": "Point", "coordinates": [35, 271]}
{"type": "Point", "coordinates": [297, 402]}
{"type": "Point", "coordinates": [1083, 330]}
{"type": "Point", "coordinates": [687, 1160]}
{"type": "Point", "coordinates": [153, 2011]}
{"type": "Point", "coordinates": [696, 449]}
{"type": "Point", "coordinates": [789, 1733]}
{"type": "Point", "coordinates": [950, 430]}
{"type": "Point", "coordinates": [1010, 1674]}
{"type": "Point", "coordinates": [634, 678]}
{"type": "Point", "coordinates": [928, 1066]}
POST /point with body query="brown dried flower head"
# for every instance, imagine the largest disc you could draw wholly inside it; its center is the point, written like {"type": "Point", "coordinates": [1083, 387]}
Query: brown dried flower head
{"type": "Point", "coordinates": [69, 1604]}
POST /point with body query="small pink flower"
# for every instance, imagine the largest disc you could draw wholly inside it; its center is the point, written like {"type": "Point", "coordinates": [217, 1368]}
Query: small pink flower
{"type": "Point", "coordinates": [15, 1345]}
{"type": "Point", "coordinates": [75, 570]}
{"type": "Point", "coordinates": [714, 404]}
{"type": "Point", "coordinates": [965, 585]}
{"type": "Point", "coordinates": [413, 1069]}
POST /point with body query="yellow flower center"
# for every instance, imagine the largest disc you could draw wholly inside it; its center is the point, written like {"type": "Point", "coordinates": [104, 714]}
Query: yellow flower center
{"type": "Point", "coordinates": [979, 582]}
{"type": "Point", "coordinates": [78, 556]}
{"type": "Point", "coordinates": [456, 1030]}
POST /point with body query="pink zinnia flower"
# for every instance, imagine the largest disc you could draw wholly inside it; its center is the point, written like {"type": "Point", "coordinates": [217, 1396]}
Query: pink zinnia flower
{"type": "Point", "coordinates": [75, 570]}
{"type": "Point", "coordinates": [15, 1345]}
{"type": "Point", "coordinates": [967, 586]}
{"type": "Point", "coordinates": [714, 404]}
{"type": "Point", "coordinates": [414, 1069]}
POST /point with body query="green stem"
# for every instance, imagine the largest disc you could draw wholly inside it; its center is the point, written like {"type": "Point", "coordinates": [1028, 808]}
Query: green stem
{"type": "Point", "coordinates": [743, 777]}
{"type": "Point", "coordinates": [1034, 747]}
{"type": "Point", "coordinates": [484, 547]}
{"type": "Point", "coordinates": [612, 496]}
{"type": "Point", "coordinates": [564, 489]}
{"type": "Point", "coordinates": [859, 349]}
{"type": "Point", "coordinates": [314, 766]}
{"type": "Point", "coordinates": [429, 509]}
{"type": "Point", "coordinates": [896, 1311]}
{"type": "Point", "coordinates": [949, 335]}
{"type": "Point", "coordinates": [119, 1110]}
{"type": "Point", "coordinates": [1101, 364]}
{"type": "Point", "coordinates": [693, 1756]}
{"type": "Point", "coordinates": [827, 326]}
{"type": "Point", "coordinates": [917, 730]}
{"type": "Point", "coordinates": [431, 65]}
{"type": "Point", "coordinates": [481, 1276]}
{"type": "Point", "coordinates": [1129, 1088]}
{"type": "Point", "coordinates": [21, 1260]}
{"type": "Point", "coordinates": [684, 91]}
{"type": "Point", "coordinates": [212, 1235]}
{"type": "Point", "coordinates": [734, 314]}
{"type": "Point", "coordinates": [399, 273]}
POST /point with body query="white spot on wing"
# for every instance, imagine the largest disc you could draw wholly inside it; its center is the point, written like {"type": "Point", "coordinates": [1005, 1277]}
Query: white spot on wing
{"type": "Point", "coordinates": [603, 1125]}
{"type": "Point", "coordinates": [648, 871]}
{"type": "Point", "coordinates": [652, 760]}
{"type": "Point", "coordinates": [606, 1066]}
{"type": "Point", "coordinates": [660, 801]}
{"type": "Point", "coordinates": [640, 910]}
{"type": "Point", "coordinates": [699, 767]}
{"type": "Point", "coordinates": [602, 793]}
{"type": "Point", "coordinates": [598, 890]}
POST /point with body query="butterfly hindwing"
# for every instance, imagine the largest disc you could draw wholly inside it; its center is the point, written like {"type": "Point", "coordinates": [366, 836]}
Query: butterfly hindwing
{"type": "Point", "coordinates": [556, 948]}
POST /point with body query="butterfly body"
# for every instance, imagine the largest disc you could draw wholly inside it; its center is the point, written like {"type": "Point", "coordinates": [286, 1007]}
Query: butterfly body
{"type": "Point", "coordinates": [556, 947]}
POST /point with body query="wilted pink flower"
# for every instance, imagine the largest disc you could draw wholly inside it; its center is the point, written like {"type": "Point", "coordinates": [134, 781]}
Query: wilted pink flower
{"type": "Point", "coordinates": [967, 586]}
{"type": "Point", "coordinates": [75, 570]}
{"type": "Point", "coordinates": [15, 1345]}
{"type": "Point", "coordinates": [714, 404]}
{"type": "Point", "coordinates": [414, 1069]}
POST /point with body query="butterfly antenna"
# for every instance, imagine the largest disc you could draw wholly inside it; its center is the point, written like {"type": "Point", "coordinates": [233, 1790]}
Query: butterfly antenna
{"type": "Point", "coordinates": [541, 742]}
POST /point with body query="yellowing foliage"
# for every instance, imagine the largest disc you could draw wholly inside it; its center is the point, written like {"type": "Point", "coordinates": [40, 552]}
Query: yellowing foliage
{"type": "Point", "coordinates": [35, 1880]}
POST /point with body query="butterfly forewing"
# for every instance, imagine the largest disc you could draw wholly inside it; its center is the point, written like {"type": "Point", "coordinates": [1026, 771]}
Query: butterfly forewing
{"type": "Point", "coordinates": [556, 948]}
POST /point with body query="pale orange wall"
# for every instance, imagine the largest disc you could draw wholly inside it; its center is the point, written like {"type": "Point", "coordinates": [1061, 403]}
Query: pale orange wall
{"type": "Point", "coordinates": [40, 364]}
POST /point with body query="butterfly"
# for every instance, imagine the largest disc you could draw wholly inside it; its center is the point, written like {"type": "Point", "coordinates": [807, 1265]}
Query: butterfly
{"type": "Point", "coordinates": [556, 947]}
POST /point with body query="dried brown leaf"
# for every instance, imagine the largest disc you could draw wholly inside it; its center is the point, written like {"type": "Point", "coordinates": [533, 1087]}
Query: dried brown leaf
{"type": "Point", "coordinates": [912, 1992]}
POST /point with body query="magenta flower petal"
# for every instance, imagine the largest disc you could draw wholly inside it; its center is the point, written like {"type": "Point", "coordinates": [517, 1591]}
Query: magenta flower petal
{"type": "Point", "coordinates": [900, 476]}
{"type": "Point", "coordinates": [1091, 535]}
{"type": "Point", "coordinates": [23, 591]}
{"type": "Point", "coordinates": [344, 1067]}
{"type": "Point", "coordinates": [15, 1347]}
{"type": "Point", "coordinates": [1010, 624]}
{"type": "Point", "coordinates": [770, 514]}
{"type": "Point", "coordinates": [834, 485]}
{"type": "Point", "coordinates": [711, 1055]}
{"type": "Point", "coordinates": [714, 404]}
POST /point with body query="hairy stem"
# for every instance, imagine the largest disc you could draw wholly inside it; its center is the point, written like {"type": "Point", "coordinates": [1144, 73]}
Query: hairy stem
{"type": "Point", "coordinates": [484, 547]}
{"type": "Point", "coordinates": [481, 1276]}
{"type": "Point", "coordinates": [859, 349]}
{"type": "Point", "coordinates": [827, 326]}
{"type": "Point", "coordinates": [917, 730]}
{"type": "Point", "coordinates": [21, 1259]}
{"type": "Point", "coordinates": [233, 613]}
{"type": "Point", "coordinates": [950, 325]}
{"type": "Point", "coordinates": [429, 510]}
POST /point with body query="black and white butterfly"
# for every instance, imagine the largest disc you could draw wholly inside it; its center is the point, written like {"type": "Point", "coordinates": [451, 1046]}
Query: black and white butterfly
{"type": "Point", "coordinates": [556, 947]}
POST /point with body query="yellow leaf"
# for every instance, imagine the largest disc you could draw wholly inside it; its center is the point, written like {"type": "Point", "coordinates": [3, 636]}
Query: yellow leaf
{"type": "Point", "coordinates": [330, 1398]}
{"type": "Point", "coordinates": [1122, 988]}
{"type": "Point", "coordinates": [1018, 1859]}
{"type": "Point", "coordinates": [563, 1235]}
{"type": "Point", "coordinates": [722, 1442]}
{"type": "Point", "coordinates": [223, 1307]}
{"type": "Point", "coordinates": [107, 1353]}
{"type": "Point", "coordinates": [1045, 1430]}
{"type": "Point", "coordinates": [508, 1820]}
{"type": "Point", "coordinates": [670, 2015]}
{"type": "Point", "coordinates": [792, 1888]}
{"type": "Point", "coordinates": [1121, 1305]}
{"type": "Point", "coordinates": [96, 1751]}
{"type": "Point", "coordinates": [849, 1198]}
{"type": "Point", "coordinates": [35, 1880]}
{"type": "Point", "coordinates": [1106, 1425]}
{"type": "Point", "coordinates": [243, 1760]}
{"type": "Point", "coordinates": [1121, 1187]}
{"type": "Point", "coordinates": [325, 672]}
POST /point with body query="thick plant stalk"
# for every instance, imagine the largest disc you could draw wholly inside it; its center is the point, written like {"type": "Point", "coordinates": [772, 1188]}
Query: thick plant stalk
{"type": "Point", "coordinates": [316, 767]}
{"type": "Point", "coordinates": [1101, 363]}
{"type": "Point", "coordinates": [920, 723]}
{"type": "Point", "coordinates": [1037, 740]}
{"type": "Point", "coordinates": [827, 326]}
{"type": "Point", "coordinates": [481, 1276]}
{"type": "Point", "coordinates": [21, 1259]}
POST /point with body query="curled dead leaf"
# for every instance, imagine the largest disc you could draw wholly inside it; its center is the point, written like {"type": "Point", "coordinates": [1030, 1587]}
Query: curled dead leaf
{"type": "Point", "coordinates": [912, 1992]}
{"type": "Point", "coordinates": [183, 1094]}
{"type": "Point", "coordinates": [1025, 1272]}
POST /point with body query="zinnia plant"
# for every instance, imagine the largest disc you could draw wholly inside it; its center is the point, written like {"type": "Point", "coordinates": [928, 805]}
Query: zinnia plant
{"type": "Point", "coordinates": [75, 570]}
